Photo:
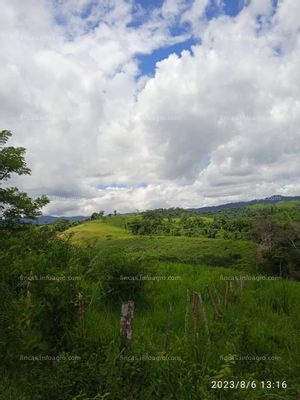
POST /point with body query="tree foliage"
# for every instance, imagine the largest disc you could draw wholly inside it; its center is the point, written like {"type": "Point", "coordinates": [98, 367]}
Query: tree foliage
{"type": "Point", "coordinates": [97, 215]}
{"type": "Point", "coordinates": [15, 204]}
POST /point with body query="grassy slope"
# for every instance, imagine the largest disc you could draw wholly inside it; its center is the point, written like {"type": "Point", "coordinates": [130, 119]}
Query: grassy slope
{"type": "Point", "coordinates": [216, 252]}
{"type": "Point", "coordinates": [96, 230]}
{"type": "Point", "coordinates": [261, 320]}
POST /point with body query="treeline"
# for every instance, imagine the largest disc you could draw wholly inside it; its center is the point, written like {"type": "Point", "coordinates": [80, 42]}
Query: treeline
{"type": "Point", "coordinates": [274, 233]}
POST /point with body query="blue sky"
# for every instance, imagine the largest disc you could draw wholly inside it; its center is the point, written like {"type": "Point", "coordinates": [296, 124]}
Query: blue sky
{"type": "Point", "coordinates": [115, 185]}
{"type": "Point", "coordinates": [231, 8]}
{"type": "Point", "coordinates": [96, 118]}
{"type": "Point", "coordinates": [148, 4]}
{"type": "Point", "coordinates": [147, 62]}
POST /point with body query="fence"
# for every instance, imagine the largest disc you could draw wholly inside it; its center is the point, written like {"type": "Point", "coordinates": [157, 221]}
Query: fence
{"type": "Point", "coordinates": [198, 311]}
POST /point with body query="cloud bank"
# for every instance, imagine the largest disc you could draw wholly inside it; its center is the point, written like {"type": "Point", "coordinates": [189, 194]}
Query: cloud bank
{"type": "Point", "coordinates": [217, 122]}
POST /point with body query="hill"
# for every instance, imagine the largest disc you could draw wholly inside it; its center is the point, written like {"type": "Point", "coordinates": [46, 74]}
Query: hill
{"type": "Point", "coordinates": [63, 300]}
{"type": "Point", "coordinates": [268, 200]}
{"type": "Point", "coordinates": [275, 199]}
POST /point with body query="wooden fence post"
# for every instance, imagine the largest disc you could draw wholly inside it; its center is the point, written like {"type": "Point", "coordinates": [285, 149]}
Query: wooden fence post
{"type": "Point", "coordinates": [126, 324]}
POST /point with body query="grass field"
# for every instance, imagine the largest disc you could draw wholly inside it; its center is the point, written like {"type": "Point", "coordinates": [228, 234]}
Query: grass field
{"type": "Point", "coordinates": [255, 339]}
{"type": "Point", "coordinates": [97, 230]}
{"type": "Point", "coordinates": [261, 320]}
{"type": "Point", "coordinates": [214, 252]}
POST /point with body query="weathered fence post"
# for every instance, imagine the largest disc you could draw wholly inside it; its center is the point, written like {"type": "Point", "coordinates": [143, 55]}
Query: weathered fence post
{"type": "Point", "coordinates": [126, 324]}
{"type": "Point", "coordinates": [187, 307]}
{"type": "Point", "coordinates": [204, 316]}
{"type": "Point", "coordinates": [217, 308]}
{"type": "Point", "coordinates": [168, 329]}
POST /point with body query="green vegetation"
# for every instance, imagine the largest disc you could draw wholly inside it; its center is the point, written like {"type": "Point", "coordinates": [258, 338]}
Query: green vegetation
{"type": "Point", "coordinates": [14, 204]}
{"type": "Point", "coordinates": [62, 287]}
{"type": "Point", "coordinates": [96, 230]}
{"type": "Point", "coordinates": [42, 317]}
{"type": "Point", "coordinates": [96, 216]}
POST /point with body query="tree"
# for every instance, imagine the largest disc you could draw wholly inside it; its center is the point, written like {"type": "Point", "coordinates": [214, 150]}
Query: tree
{"type": "Point", "coordinates": [96, 215]}
{"type": "Point", "coordinates": [135, 226]}
{"type": "Point", "coordinates": [150, 223]}
{"type": "Point", "coordinates": [14, 204]}
{"type": "Point", "coordinates": [278, 244]}
{"type": "Point", "coordinates": [62, 224]}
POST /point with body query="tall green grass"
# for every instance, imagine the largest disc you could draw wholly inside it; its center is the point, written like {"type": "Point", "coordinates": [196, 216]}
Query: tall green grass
{"type": "Point", "coordinates": [261, 320]}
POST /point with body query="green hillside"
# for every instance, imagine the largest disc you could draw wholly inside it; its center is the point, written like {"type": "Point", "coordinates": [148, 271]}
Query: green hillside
{"type": "Point", "coordinates": [97, 230]}
{"type": "Point", "coordinates": [215, 252]}
{"type": "Point", "coordinates": [250, 295]}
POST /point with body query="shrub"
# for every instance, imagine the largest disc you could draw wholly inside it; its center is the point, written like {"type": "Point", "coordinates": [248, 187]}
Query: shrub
{"type": "Point", "coordinates": [121, 275]}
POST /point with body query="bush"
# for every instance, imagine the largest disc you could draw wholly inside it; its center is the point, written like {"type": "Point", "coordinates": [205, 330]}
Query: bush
{"type": "Point", "coordinates": [121, 275]}
{"type": "Point", "coordinates": [39, 308]}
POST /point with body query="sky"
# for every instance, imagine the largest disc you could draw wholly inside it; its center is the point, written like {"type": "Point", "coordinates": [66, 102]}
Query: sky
{"type": "Point", "coordinates": [137, 104]}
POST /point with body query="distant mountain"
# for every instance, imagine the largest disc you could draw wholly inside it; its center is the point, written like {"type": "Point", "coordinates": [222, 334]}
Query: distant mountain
{"type": "Point", "coordinates": [272, 199]}
{"type": "Point", "coordinates": [49, 219]}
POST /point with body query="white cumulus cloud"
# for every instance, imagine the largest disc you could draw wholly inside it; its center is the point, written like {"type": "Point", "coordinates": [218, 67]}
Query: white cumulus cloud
{"type": "Point", "coordinates": [218, 122]}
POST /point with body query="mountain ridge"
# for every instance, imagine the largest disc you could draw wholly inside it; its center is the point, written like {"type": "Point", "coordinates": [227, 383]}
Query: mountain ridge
{"type": "Point", "coordinates": [267, 200]}
{"type": "Point", "coordinates": [48, 219]}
